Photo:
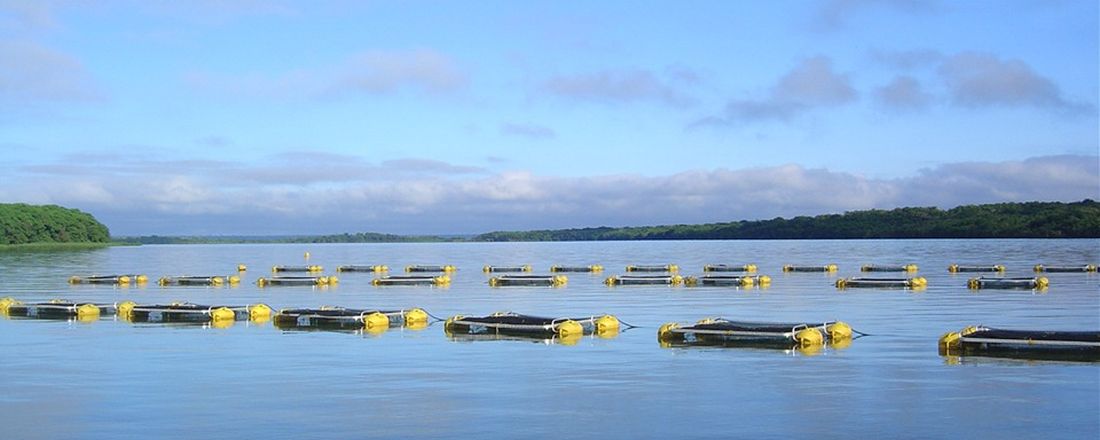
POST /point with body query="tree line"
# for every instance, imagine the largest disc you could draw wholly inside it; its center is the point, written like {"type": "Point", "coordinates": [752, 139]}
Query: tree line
{"type": "Point", "coordinates": [1000, 220]}
{"type": "Point", "coordinates": [21, 223]}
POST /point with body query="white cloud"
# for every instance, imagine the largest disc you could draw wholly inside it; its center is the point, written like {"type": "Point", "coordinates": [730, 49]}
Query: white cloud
{"type": "Point", "coordinates": [903, 93]}
{"type": "Point", "coordinates": [452, 201]}
{"type": "Point", "coordinates": [810, 84]}
{"type": "Point", "coordinates": [983, 80]}
{"type": "Point", "coordinates": [973, 80]}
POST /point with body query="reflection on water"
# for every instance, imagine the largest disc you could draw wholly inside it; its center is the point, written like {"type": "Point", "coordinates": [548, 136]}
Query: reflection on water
{"type": "Point", "coordinates": [109, 378]}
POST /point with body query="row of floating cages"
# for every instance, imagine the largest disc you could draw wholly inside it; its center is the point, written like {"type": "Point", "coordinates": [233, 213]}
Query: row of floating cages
{"type": "Point", "coordinates": [298, 281]}
{"type": "Point", "coordinates": [444, 268]}
{"type": "Point", "coordinates": [179, 312]}
{"type": "Point", "coordinates": [528, 281]}
{"type": "Point", "coordinates": [828, 268]}
{"type": "Point", "coordinates": [690, 281]}
{"type": "Point", "coordinates": [194, 280]}
{"type": "Point", "coordinates": [1057, 269]}
{"type": "Point", "coordinates": [188, 313]}
{"type": "Point", "coordinates": [1029, 283]}
{"type": "Point", "coordinates": [728, 281]}
{"type": "Point", "coordinates": [118, 280]}
{"type": "Point", "coordinates": [369, 268]}
{"type": "Point", "coordinates": [56, 309]}
{"type": "Point", "coordinates": [592, 268]}
{"type": "Point", "coordinates": [920, 283]}
{"type": "Point", "coordinates": [981, 341]}
{"type": "Point", "coordinates": [672, 268]}
{"type": "Point", "coordinates": [412, 281]}
{"type": "Point", "coordinates": [125, 279]}
{"type": "Point", "coordinates": [889, 268]}
{"type": "Point", "coordinates": [955, 268]}
{"type": "Point", "coordinates": [505, 269]}
{"type": "Point", "coordinates": [914, 283]}
{"type": "Point", "coordinates": [644, 280]}
{"type": "Point", "coordinates": [806, 338]}
{"type": "Point", "coordinates": [511, 325]}
{"type": "Point", "coordinates": [305, 269]}
{"type": "Point", "coordinates": [803, 337]}
{"type": "Point", "coordinates": [345, 319]}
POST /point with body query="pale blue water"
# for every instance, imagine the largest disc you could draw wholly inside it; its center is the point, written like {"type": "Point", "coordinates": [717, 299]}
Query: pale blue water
{"type": "Point", "coordinates": [111, 379]}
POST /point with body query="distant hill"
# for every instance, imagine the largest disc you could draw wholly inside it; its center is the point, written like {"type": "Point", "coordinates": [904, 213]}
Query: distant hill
{"type": "Point", "coordinates": [25, 224]}
{"type": "Point", "coordinates": [1001, 220]}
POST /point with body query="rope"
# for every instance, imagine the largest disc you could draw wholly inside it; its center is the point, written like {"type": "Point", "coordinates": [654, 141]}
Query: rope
{"type": "Point", "coordinates": [436, 318]}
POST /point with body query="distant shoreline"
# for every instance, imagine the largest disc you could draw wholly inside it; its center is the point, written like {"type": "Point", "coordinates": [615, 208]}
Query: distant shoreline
{"type": "Point", "coordinates": [993, 221]}
{"type": "Point", "coordinates": [52, 247]}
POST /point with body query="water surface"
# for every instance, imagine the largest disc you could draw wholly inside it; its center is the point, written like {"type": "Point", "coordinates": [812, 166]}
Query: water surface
{"type": "Point", "coordinates": [112, 379]}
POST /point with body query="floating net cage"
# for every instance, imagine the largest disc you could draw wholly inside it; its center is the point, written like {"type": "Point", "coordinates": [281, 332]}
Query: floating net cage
{"type": "Point", "coordinates": [1022, 344]}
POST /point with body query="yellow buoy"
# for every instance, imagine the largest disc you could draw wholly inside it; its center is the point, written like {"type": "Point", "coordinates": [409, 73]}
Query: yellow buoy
{"type": "Point", "coordinates": [416, 317]}
{"type": "Point", "coordinates": [6, 303]}
{"type": "Point", "coordinates": [87, 312]}
{"type": "Point", "coordinates": [607, 324]}
{"type": "Point", "coordinates": [763, 280]}
{"type": "Point", "coordinates": [259, 312]}
{"type": "Point", "coordinates": [449, 323]}
{"type": "Point", "coordinates": [570, 328]}
{"type": "Point", "coordinates": [376, 320]}
{"type": "Point", "coordinates": [809, 336]}
{"type": "Point", "coordinates": [123, 309]}
{"type": "Point", "coordinates": [223, 314]}
{"type": "Point", "coordinates": [665, 332]}
{"type": "Point", "coordinates": [951, 341]}
{"type": "Point", "coordinates": [306, 255]}
{"type": "Point", "coordinates": [839, 330]}
{"type": "Point", "coordinates": [241, 268]}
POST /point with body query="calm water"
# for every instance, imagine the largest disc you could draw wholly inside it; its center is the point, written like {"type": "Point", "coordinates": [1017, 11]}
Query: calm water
{"type": "Point", "coordinates": [111, 379]}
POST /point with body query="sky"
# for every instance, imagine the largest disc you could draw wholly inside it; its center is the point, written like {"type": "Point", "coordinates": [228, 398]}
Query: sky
{"type": "Point", "coordinates": [241, 117]}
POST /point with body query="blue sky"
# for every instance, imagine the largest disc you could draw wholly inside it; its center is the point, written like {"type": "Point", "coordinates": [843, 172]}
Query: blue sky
{"type": "Point", "coordinates": [250, 117]}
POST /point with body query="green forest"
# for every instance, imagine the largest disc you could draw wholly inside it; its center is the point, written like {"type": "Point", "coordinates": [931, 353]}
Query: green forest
{"type": "Point", "coordinates": [25, 224]}
{"type": "Point", "coordinates": [1001, 220]}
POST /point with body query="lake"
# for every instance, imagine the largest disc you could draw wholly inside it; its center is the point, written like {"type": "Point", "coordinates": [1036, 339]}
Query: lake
{"type": "Point", "coordinates": [113, 379]}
